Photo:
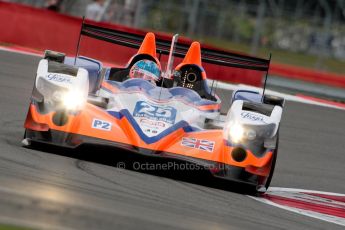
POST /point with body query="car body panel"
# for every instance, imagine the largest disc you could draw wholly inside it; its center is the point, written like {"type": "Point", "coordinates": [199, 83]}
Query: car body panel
{"type": "Point", "coordinates": [146, 118]}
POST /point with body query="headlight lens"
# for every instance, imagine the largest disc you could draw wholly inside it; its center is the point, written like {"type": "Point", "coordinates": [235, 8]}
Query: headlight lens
{"type": "Point", "coordinates": [237, 132]}
{"type": "Point", "coordinates": [73, 100]}
{"type": "Point", "coordinates": [250, 134]}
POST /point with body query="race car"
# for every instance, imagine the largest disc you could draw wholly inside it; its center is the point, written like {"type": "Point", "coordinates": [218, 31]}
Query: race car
{"type": "Point", "coordinates": [171, 113]}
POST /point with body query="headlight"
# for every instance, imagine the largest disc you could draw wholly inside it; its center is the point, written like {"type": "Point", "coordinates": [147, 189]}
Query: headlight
{"type": "Point", "coordinates": [250, 134]}
{"type": "Point", "coordinates": [73, 100]}
{"type": "Point", "coordinates": [237, 132]}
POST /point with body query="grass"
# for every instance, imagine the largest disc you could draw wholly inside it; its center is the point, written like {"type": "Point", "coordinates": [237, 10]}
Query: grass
{"type": "Point", "coordinates": [284, 57]}
{"type": "Point", "coordinates": [11, 227]}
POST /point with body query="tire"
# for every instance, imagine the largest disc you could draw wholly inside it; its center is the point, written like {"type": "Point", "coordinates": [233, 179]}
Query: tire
{"type": "Point", "coordinates": [275, 155]}
{"type": "Point", "coordinates": [26, 142]}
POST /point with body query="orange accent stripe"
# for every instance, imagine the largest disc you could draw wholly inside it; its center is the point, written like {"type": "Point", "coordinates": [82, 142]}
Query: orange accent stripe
{"type": "Point", "coordinates": [109, 87]}
{"type": "Point", "coordinates": [203, 75]}
{"type": "Point", "coordinates": [209, 107]}
{"type": "Point", "coordinates": [31, 124]}
{"type": "Point", "coordinates": [263, 171]}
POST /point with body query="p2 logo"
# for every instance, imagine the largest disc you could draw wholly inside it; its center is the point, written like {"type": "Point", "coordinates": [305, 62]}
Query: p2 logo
{"type": "Point", "coordinates": [102, 125]}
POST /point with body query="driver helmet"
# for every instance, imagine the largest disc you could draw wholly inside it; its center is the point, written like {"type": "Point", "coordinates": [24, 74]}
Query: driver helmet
{"type": "Point", "coordinates": [147, 70]}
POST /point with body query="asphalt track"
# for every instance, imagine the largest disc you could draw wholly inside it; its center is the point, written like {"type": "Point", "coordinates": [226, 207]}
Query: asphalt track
{"type": "Point", "coordinates": [85, 190]}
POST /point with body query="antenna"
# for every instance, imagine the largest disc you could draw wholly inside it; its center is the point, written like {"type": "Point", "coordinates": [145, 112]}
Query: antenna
{"type": "Point", "coordinates": [212, 86]}
{"type": "Point", "coordinates": [78, 45]}
{"type": "Point", "coordinates": [266, 75]}
{"type": "Point", "coordinates": [160, 55]}
{"type": "Point", "coordinates": [170, 63]}
{"type": "Point", "coordinates": [215, 88]}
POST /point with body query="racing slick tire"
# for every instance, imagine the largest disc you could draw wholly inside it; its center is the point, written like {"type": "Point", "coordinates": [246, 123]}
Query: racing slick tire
{"type": "Point", "coordinates": [275, 155]}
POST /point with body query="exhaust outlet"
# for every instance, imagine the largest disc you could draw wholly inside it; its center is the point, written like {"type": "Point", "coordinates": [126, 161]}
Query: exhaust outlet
{"type": "Point", "coordinates": [239, 154]}
{"type": "Point", "coordinates": [60, 118]}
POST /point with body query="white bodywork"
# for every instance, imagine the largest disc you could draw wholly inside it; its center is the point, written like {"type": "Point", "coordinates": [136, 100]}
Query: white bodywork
{"type": "Point", "coordinates": [245, 126]}
{"type": "Point", "coordinates": [62, 88]}
{"type": "Point", "coordinates": [154, 113]}
{"type": "Point", "coordinates": [237, 115]}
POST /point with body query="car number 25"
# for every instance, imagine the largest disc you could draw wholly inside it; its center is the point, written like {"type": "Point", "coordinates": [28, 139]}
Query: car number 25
{"type": "Point", "coordinates": [155, 111]}
{"type": "Point", "coordinates": [143, 108]}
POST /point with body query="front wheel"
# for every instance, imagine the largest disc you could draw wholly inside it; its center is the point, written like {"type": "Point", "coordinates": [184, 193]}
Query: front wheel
{"type": "Point", "coordinates": [26, 142]}
{"type": "Point", "coordinates": [275, 154]}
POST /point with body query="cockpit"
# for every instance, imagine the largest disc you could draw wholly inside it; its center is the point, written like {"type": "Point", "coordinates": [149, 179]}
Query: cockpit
{"type": "Point", "coordinates": [188, 74]}
{"type": "Point", "coordinates": [191, 77]}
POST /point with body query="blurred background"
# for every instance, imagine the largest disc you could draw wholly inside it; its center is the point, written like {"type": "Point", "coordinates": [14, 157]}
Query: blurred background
{"type": "Point", "coordinates": [308, 33]}
{"type": "Point", "coordinates": [305, 37]}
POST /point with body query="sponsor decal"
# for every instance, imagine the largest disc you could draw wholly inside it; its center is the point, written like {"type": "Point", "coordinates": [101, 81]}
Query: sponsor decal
{"type": "Point", "coordinates": [195, 143]}
{"type": "Point", "coordinates": [152, 127]}
{"type": "Point", "coordinates": [252, 117]}
{"type": "Point", "coordinates": [151, 131]}
{"type": "Point", "coordinates": [155, 112]}
{"type": "Point", "coordinates": [59, 78]}
{"type": "Point", "coordinates": [321, 205]}
{"type": "Point", "coordinates": [100, 124]}
{"type": "Point", "coordinates": [151, 123]}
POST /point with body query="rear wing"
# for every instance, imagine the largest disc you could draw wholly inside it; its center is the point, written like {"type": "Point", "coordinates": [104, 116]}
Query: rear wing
{"type": "Point", "coordinates": [212, 56]}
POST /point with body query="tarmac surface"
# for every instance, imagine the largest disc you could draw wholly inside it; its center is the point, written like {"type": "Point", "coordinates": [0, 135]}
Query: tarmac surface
{"type": "Point", "coordinates": [49, 188]}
